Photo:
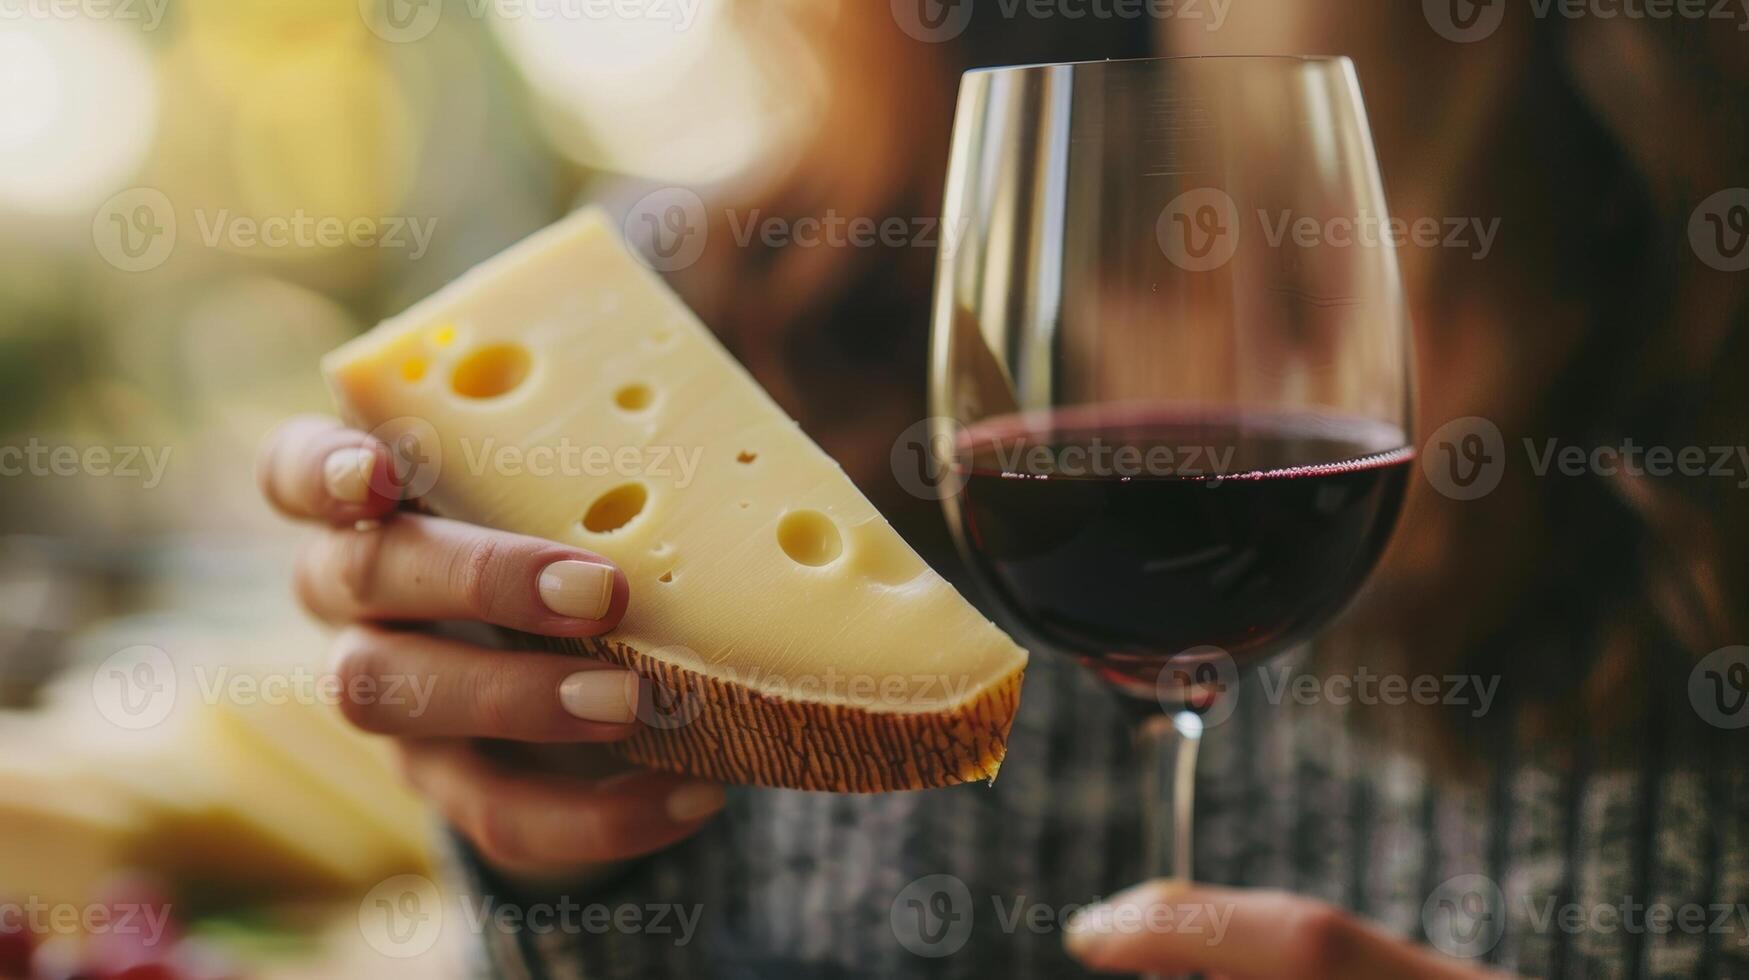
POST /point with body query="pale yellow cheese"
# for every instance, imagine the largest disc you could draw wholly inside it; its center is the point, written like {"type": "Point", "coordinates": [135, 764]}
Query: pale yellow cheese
{"type": "Point", "coordinates": [561, 387]}
{"type": "Point", "coordinates": [63, 829]}
{"type": "Point", "coordinates": [261, 797]}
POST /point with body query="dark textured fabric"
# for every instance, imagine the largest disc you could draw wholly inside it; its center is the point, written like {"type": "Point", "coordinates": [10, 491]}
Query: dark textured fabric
{"type": "Point", "coordinates": [805, 885]}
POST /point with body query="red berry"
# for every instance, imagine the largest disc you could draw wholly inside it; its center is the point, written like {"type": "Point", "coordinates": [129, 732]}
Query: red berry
{"type": "Point", "coordinates": [138, 932]}
{"type": "Point", "coordinates": [16, 946]}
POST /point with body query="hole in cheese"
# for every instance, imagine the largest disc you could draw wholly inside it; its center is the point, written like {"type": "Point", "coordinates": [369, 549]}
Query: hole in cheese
{"type": "Point", "coordinates": [746, 457]}
{"type": "Point", "coordinates": [666, 577]}
{"type": "Point", "coordinates": [809, 538]}
{"type": "Point", "coordinates": [443, 336]}
{"type": "Point", "coordinates": [876, 554]}
{"type": "Point", "coordinates": [616, 508]}
{"type": "Point", "coordinates": [413, 368]}
{"type": "Point", "coordinates": [491, 371]}
{"type": "Point", "coordinates": [634, 397]}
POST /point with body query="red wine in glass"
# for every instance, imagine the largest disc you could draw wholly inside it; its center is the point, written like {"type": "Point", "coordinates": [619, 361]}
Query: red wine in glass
{"type": "Point", "coordinates": [1111, 299]}
{"type": "Point", "coordinates": [1127, 538]}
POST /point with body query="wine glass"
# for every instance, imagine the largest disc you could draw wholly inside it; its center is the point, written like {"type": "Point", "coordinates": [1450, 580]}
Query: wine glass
{"type": "Point", "coordinates": [1170, 373]}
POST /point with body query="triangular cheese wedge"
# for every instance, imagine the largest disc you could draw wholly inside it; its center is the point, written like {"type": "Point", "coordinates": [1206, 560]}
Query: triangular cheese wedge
{"type": "Point", "coordinates": [561, 390]}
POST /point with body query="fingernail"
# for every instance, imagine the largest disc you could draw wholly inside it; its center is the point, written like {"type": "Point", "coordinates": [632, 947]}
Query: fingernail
{"type": "Point", "coordinates": [1083, 933]}
{"type": "Point", "coordinates": [609, 696]}
{"type": "Point", "coordinates": [580, 589]}
{"type": "Point", "coordinates": [695, 801]}
{"type": "Point", "coordinates": [346, 473]}
{"type": "Point", "coordinates": [1092, 927]}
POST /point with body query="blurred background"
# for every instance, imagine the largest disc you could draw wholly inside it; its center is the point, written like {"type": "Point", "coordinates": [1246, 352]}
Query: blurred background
{"type": "Point", "coordinates": [198, 198]}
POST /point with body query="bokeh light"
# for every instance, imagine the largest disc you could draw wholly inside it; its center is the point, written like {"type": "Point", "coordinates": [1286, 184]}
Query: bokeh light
{"type": "Point", "coordinates": [78, 115]}
{"type": "Point", "coordinates": [689, 102]}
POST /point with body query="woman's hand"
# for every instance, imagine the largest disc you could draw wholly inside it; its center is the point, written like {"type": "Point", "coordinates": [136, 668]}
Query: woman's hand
{"type": "Point", "coordinates": [1179, 927]}
{"type": "Point", "coordinates": [370, 567]}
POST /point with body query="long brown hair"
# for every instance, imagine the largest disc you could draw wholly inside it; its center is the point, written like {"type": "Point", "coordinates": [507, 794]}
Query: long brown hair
{"type": "Point", "coordinates": [1593, 323]}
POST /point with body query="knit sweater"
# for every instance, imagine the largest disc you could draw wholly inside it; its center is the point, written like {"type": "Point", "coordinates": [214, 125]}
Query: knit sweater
{"type": "Point", "coordinates": [1555, 862]}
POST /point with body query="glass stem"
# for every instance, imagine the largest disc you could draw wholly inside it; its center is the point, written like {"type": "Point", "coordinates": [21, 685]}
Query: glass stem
{"type": "Point", "coordinates": [1168, 747]}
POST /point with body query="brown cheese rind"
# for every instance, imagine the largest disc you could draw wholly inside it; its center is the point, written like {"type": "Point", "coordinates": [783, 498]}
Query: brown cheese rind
{"type": "Point", "coordinates": [731, 733]}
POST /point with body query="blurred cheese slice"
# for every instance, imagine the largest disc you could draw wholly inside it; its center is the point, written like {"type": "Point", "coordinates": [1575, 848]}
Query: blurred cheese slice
{"type": "Point", "coordinates": [356, 771]}
{"type": "Point", "coordinates": [560, 390]}
{"type": "Point", "coordinates": [258, 798]}
{"type": "Point", "coordinates": [62, 828]}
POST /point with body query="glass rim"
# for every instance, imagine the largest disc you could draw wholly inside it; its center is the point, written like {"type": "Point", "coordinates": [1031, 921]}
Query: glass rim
{"type": "Point", "coordinates": [1303, 59]}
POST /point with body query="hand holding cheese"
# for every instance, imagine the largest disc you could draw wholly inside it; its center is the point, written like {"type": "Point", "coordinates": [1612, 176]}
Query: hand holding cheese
{"type": "Point", "coordinates": [415, 567]}
{"type": "Point", "coordinates": [561, 391]}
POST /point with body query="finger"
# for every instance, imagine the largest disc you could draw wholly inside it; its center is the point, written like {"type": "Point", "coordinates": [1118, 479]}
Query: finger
{"type": "Point", "coordinates": [314, 467]}
{"type": "Point", "coordinates": [409, 684]}
{"type": "Point", "coordinates": [1169, 926]}
{"type": "Point", "coordinates": [524, 822]}
{"type": "Point", "coordinates": [420, 567]}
